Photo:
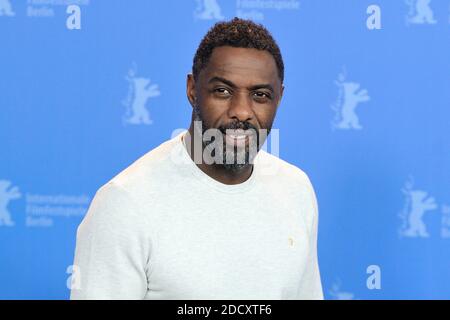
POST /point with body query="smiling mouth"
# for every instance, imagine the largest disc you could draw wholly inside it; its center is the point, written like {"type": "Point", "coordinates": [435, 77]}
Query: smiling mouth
{"type": "Point", "coordinates": [236, 134]}
{"type": "Point", "coordinates": [238, 137]}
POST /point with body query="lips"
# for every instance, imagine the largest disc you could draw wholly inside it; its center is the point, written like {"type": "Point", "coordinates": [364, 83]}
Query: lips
{"type": "Point", "coordinates": [237, 134]}
{"type": "Point", "coordinates": [236, 137]}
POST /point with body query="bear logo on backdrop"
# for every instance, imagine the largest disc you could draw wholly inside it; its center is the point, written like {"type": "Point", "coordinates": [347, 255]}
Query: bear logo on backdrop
{"type": "Point", "coordinates": [140, 90]}
{"type": "Point", "coordinates": [6, 8]}
{"type": "Point", "coordinates": [349, 97]}
{"type": "Point", "coordinates": [40, 210]}
{"type": "Point", "coordinates": [7, 193]}
{"type": "Point", "coordinates": [208, 10]}
{"type": "Point", "coordinates": [420, 12]}
{"type": "Point", "coordinates": [417, 204]}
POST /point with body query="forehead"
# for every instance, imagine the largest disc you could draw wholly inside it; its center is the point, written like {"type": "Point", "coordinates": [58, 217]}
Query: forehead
{"type": "Point", "coordinates": [242, 65]}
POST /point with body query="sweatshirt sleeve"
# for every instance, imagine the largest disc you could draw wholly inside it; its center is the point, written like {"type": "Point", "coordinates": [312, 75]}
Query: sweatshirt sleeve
{"type": "Point", "coordinates": [111, 251]}
{"type": "Point", "coordinates": [310, 284]}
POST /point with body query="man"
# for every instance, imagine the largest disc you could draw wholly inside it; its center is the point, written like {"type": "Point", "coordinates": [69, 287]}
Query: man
{"type": "Point", "coordinates": [204, 215]}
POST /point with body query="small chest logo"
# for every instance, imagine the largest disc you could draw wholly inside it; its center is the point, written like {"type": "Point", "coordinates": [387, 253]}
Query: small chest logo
{"type": "Point", "coordinates": [291, 241]}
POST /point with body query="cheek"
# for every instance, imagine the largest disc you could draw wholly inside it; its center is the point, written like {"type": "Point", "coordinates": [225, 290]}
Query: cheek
{"type": "Point", "coordinates": [213, 111]}
{"type": "Point", "coordinates": [265, 117]}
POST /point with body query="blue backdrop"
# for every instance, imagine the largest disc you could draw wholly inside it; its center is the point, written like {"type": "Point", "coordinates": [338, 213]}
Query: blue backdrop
{"type": "Point", "coordinates": [87, 89]}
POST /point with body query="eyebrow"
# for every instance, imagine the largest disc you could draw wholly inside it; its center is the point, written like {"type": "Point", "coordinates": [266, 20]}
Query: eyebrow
{"type": "Point", "coordinates": [232, 85]}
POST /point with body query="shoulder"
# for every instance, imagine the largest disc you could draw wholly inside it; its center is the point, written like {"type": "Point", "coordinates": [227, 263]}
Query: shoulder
{"type": "Point", "coordinates": [283, 171]}
{"type": "Point", "coordinates": [119, 198]}
{"type": "Point", "coordinates": [146, 172]}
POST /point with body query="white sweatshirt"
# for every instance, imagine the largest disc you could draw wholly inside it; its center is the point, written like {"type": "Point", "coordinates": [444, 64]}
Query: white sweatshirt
{"type": "Point", "coordinates": [163, 229]}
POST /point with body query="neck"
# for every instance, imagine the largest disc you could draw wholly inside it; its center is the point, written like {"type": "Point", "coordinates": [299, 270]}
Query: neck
{"type": "Point", "coordinates": [216, 171]}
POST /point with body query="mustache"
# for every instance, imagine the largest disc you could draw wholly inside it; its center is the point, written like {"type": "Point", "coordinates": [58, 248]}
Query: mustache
{"type": "Point", "coordinates": [237, 125]}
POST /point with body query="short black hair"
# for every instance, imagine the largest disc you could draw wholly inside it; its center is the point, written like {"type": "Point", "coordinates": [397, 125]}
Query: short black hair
{"type": "Point", "coordinates": [239, 33]}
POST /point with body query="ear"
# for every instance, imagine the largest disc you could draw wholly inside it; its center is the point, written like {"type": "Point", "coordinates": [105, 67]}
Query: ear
{"type": "Point", "coordinates": [190, 89]}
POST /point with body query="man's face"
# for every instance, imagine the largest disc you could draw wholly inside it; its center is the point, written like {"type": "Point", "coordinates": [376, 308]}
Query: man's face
{"type": "Point", "coordinates": [239, 89]}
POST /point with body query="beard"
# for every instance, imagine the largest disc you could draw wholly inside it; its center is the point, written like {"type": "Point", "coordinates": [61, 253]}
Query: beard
{"type": "Point", "coordinates": [233, 157]}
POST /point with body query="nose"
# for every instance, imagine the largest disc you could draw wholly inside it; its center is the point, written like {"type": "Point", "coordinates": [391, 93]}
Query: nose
{"type": "Point", "coordinates": [240, 108]}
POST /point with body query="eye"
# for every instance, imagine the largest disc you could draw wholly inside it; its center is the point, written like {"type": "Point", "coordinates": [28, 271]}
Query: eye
{"type": "Point", "coordinates": [222, 91]}
{"type": "Point", "coordinates": [261, 95]}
